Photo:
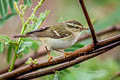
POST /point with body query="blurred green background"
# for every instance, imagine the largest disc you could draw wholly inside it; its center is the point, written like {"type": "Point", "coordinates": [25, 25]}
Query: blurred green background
{"type": "Point", "coordinates": [103, 13]}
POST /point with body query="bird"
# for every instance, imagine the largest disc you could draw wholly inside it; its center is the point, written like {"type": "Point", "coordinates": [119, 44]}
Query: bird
{"type": "Point", "coordinates": [58, 36]}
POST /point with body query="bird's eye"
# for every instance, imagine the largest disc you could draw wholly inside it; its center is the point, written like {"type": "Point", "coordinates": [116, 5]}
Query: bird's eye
{"type": "Point", "coordinates": [77, 27]}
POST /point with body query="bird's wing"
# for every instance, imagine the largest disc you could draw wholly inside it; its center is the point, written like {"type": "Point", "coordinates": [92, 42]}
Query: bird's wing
{"type": "Point", "coordinates": [36, 33]}
{"type": "Point", "coordinates": [40, 30]}
{"type": "Point", "coordinates": [51, 32]}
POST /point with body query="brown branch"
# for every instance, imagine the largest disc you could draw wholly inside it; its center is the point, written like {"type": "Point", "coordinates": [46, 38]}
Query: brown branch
{"type": "Point", "coordinates": [89, 22]}
{"type": "Point", "coordinates": [41, 53]}
{"type": "Point", "coordinates": [41, 64]}
{"type": "Point", "coordinates": [66, 64]}
{"type": "Point", "coordinates": [58, 60]}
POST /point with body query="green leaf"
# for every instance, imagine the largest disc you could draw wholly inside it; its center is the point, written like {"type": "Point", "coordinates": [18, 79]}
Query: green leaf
{"type": "Point", "coordinates": [16, 0]}
{"type": "Point", "coordinates": [78, 45]}
{"type": "Point", "coordinates": [20, 50]}
{"type": "Point", "coordinates": [1, 47]}
{"type": "Point", "coordinates": [9, 56]}
{"type": "Point", "coordinates": [3, 8]}
{"type": "Point", "coordinates": [74, 47]}
{"type": "Point", "coordinates": [42, 17]}
{"type": "Point", "coordinates": [10, 15]}
{"type": "Point", "coordinates": [28, 44]}
{"type": "Point", "coordinates": [2, 20]}
{"type": "Point", "coordinates": [24, 46]}
{"type": "Point", "coordinates": [38, 22]}
{"type": "Point", "coordinates": [56, 76]}
{"type": "Point", "coordinates": [70, 49]}
{"type": "Point", "coordinates": [2, 12]}
{"type": "Point", "coordinates": [26, 50]}
{"type": "Point", "coordinates": [29, 61]}
{"type": "Point", "coordinates": [76, 65]}
{"type": "Point", "coordinates": [11, 4]}
{"type": "Point", "coordinates": [4, 39]}
{"type": "Point", "coordinates": [5, 2]}
{"type": "Point", "coordinates": [27, 2]}
{"type": "Point", "coordinates": [34, 46]}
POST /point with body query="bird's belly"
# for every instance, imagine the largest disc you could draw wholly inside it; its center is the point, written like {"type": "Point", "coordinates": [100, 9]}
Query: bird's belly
{"type": "Point", "coordinates": [59, 43]}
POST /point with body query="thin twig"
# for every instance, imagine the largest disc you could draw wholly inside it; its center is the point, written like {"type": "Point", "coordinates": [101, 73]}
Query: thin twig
{"type": "Point", "coordinates": [89, 22]}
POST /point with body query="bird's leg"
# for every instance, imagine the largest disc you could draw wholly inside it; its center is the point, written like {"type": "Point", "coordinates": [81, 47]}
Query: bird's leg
{"type": "Point", "coordinates": [48, 52]}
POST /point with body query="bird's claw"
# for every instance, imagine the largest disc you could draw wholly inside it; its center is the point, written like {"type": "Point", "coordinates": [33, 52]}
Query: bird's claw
{"type": "Point", "coordinates": [66, 54]}
{"type": "Point", "coordinates": [50, 58]}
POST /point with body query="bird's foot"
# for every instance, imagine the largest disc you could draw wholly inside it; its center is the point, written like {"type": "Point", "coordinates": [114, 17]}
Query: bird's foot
{"type": "Point", "coordinates": [50, 58]}
{"type": "Point", "coordinates": [66, 54]}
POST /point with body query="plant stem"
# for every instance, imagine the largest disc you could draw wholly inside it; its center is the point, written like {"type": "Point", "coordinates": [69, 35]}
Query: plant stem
{"type": "Point", "coordinates": [33, 13]}
{"type": "Point", "coordinates": [15, 56]}
{"type": "Point", "coordinates": [13, 62]}
{"type": "Point", "coordinates": [89, 22]}
{"type": "Point", "coordinates": [19, 40]}
{"type": "Point", "coordinates": [24, 24]}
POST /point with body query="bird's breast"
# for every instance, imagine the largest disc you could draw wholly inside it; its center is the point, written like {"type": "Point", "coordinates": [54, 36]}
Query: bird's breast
{"type": "Point", "coordinates": [61, 43]}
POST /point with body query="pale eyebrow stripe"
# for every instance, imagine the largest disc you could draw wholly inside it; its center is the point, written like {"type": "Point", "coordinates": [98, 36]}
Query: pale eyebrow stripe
{"type": "Point", "coordinates": [71, 24]}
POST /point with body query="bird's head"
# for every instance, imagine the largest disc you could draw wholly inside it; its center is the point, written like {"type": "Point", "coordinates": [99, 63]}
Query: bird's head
{"type": "Point", "coordinates": [75, 26]}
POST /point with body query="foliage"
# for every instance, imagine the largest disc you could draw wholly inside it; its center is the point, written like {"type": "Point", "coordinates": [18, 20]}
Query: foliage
{"type": "Point", "coordinates": [4, 4]}
{"type": "Point", "coordinates": [4, 40]}
{"type": "Point", "coordinates": [23, 45]}
{"type": "Point", "coordinates": [31, 61]}
{"type": "Point", "coordinates": [74, 47]}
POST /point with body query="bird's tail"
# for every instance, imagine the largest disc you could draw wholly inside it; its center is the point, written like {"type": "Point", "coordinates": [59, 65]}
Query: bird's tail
{"type": "Point", "coordinates": [17, 36]}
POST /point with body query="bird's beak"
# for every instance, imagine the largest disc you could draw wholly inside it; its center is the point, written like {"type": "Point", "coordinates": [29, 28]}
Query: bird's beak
{"type": "Point", "coordinates": [84, 28]}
